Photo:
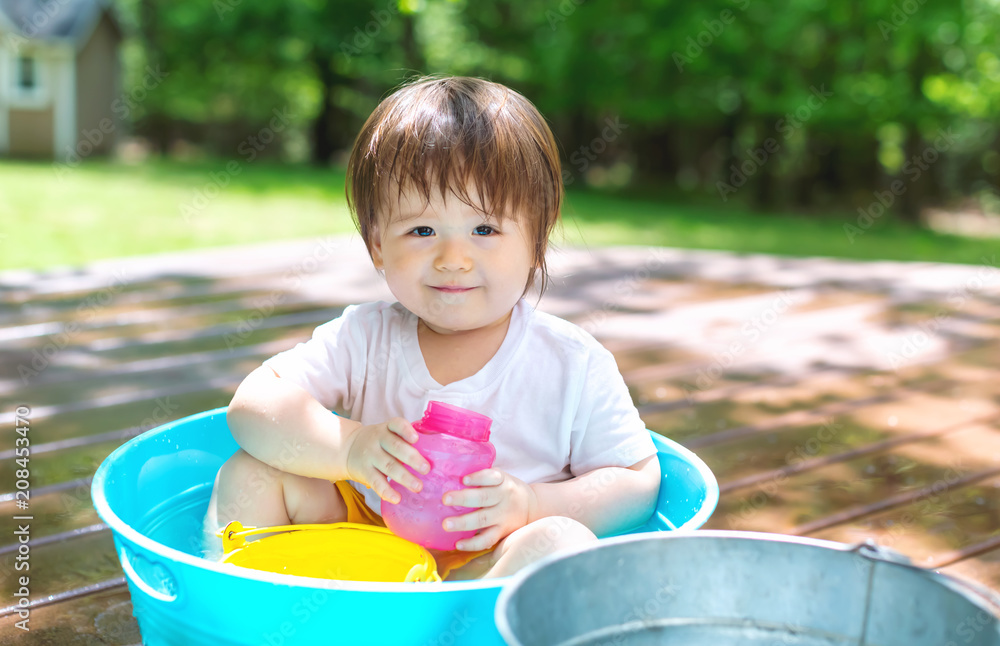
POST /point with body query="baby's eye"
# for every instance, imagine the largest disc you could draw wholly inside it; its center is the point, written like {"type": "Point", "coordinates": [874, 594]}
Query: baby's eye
{"type": "Point", "coordinates": [484, 230]}
{"type": "Point", "coordinates": [423, 232]}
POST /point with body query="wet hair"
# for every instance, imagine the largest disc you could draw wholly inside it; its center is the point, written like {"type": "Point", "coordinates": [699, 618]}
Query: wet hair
{"type": "Point", "coordinates": [453, 132]}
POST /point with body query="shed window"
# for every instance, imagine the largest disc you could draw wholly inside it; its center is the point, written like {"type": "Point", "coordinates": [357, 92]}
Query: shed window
{"type": "Point", "coordinates": [26, 73]}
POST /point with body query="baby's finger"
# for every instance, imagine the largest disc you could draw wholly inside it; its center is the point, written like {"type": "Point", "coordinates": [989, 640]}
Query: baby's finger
{"type": "Point", "coordinates": [404, 453]}
{"type": "Point", "coordinates": [476, 497]}
{"type": "Point", "coordinates": [403, 429]}
{"type": "Point", "coordinates": [484, 540]}
{"type": "Point", "coordinates": [381, 485]}
{"type": "Point", "coordinates": [474, 520]}
{"type": "Point", "coordinates": [484, 478]}
{"type": "Point", "coordinates": [393, 468]}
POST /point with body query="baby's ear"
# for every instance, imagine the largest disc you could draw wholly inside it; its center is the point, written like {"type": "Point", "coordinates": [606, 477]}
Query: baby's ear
{"type": "Point", "coordinates": [376, 253]}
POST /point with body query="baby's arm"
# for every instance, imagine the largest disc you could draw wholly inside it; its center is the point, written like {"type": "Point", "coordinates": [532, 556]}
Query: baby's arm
{"type": "Point", "coordinates": [607, 500]}
{"type": "Point", "coordinates": [284, 426]}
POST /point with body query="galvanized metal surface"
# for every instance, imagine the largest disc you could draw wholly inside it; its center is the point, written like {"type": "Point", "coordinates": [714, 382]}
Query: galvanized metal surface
{"type": "Point", "coordinates": [715, 588]}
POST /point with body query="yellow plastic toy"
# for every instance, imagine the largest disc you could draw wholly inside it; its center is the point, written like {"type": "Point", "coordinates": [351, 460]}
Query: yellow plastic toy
{"type": "Point", "coordinates": [345, 551]}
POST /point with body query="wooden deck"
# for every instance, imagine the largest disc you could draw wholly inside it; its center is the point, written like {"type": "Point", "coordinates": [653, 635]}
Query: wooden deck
{"type": "Point", "coordinates": [832, 399]}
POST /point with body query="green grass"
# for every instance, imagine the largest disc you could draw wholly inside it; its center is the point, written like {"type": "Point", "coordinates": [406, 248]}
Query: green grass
{"type": "Point", "coordinates": [107, 210]}
{"type": "Point", "coordinates": [609, 220]}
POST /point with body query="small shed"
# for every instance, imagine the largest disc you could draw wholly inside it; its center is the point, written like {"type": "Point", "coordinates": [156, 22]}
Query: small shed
{"type": "Point", "coordinates": [60, 76]}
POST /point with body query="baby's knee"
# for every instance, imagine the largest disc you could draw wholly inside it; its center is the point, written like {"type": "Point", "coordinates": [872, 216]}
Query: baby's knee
{"type": "Point", "coordinates": [240, 483]}
{"type": "Point", "coordinates": [242, 467]}
{"type": "Point", "coordinates": [555, 533]}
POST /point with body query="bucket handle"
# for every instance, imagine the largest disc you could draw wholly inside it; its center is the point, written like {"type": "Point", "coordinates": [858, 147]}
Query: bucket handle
{"type": "Point", "coordinates": [139, 582]}
{"type": "Point", "coordinates": [234, 535]}
{"type": "Point", "coordinates": [872, 551]}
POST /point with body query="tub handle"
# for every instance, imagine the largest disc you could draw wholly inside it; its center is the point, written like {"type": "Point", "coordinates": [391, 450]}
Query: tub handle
{"type": "Point", "coordinates": [871, 550]}
{"type": "Point", "coordinates": [132, 575]}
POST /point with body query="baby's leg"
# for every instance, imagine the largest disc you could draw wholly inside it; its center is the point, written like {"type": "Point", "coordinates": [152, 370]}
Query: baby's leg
{"type": "Point", "coordinates": [526, 545]}
{"type": "Point", "coordinates": [259, 495]}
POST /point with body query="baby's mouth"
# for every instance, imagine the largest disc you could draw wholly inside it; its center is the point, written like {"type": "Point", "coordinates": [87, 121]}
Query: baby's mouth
{"type": "Point", "coordinates": [451, 289]}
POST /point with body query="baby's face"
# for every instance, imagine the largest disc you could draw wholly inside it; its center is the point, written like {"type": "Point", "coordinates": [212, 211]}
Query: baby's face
{"type": "Point", "coordinates": [449, 264]}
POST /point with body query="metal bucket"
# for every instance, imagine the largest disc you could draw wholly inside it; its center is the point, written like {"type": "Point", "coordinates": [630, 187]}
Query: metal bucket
{"type": "Point", "coordinates": [717, 588]}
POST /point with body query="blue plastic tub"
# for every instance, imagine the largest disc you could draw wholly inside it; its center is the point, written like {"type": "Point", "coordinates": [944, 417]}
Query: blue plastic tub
{"type": "Point", "coordinates": [153, 492]}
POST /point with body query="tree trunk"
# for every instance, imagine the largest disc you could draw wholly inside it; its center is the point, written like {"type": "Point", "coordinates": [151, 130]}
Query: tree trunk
{"type": "Point", "coordinates": [332, 129]}
{"type": "Point", "coordinates": [911, 200]}
{"type": "Point", "coordinates": [411, 52]}
{"type": "Point", "coordinates": [830, 164]}
{"type": "Point", "coordinates": [804, 182]}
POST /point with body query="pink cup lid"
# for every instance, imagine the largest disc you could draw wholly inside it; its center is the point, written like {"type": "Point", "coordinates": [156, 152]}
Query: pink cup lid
{"type": "Point", "coordinates": [454, 420]}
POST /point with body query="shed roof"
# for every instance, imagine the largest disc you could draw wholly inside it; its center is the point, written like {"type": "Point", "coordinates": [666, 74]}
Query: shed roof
{"type": "Point", "coordinates": [62, 20]}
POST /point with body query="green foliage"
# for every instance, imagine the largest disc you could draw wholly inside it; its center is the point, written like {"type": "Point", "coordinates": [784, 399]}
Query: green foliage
{"type": "Point", "coordinates": [697, 83]}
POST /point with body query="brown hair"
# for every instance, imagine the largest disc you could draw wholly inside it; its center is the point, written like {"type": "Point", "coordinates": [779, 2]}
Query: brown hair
{"type": "Point", "coordinates": [448, 131]}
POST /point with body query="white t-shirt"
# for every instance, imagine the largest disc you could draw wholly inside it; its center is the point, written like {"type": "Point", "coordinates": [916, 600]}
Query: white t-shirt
{"type": "Point", "coordinates": [559, 405]}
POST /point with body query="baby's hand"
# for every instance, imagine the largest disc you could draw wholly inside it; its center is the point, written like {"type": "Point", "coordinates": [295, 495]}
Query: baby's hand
{"type": "Point", "coordinates": [504, 504]}
{"type": "Point", "coordinates": [379, 451]}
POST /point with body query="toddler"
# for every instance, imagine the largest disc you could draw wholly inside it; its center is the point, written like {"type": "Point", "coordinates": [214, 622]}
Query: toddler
{"type": "Point", "coordinates": [455, 185]}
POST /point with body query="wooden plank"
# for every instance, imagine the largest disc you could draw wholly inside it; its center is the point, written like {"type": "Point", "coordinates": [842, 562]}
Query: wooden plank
{"type": "Point", "coordinates": [944, 559]}
{"type": "Point", "coordinates": [58, 567]}
{"type": "Point", "coordinates": [86, 393]}
{"type": "Point", "coordinates": [144, 412]}
{"type": "Point", "coordinates": [100, 619]}
{"type": "Point", "coordinates": [52, 514]}
{"type": "Point", "coordinates": [938, 524]}
{"type": "Point", "coordinates": [809, 442]}
{"type": "Point", "coordinates": [913, 416]}
{"type": "Point", "coordinates": [865, 511]}
{"type": "Point", "coordinates": [125, 370]}
{"type": "Point", "coordinates": [984, 569]}
{"type": "Point", "coordinates": [162, 336]}
{"type": "Point", "coordinates": [848, 490]}
{"type": "Point", "coordinates": [765, 399]}
{"type": "Point", "coordinates": [121, 307]}
{"type": "Point", "coordinates": [115, 318]}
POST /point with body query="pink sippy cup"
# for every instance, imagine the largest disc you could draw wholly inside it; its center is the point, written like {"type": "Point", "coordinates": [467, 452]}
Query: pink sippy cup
{"type": "Point", "coordinates": [456, 443]}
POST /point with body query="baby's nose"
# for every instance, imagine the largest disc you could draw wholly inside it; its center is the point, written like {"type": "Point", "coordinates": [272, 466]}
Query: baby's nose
{"type": "Point", "coordinates": [453, 255]}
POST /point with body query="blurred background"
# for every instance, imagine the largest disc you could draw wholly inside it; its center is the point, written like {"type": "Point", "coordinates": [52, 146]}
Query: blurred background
{"type": "Point", "coordinates": [850, 129]}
